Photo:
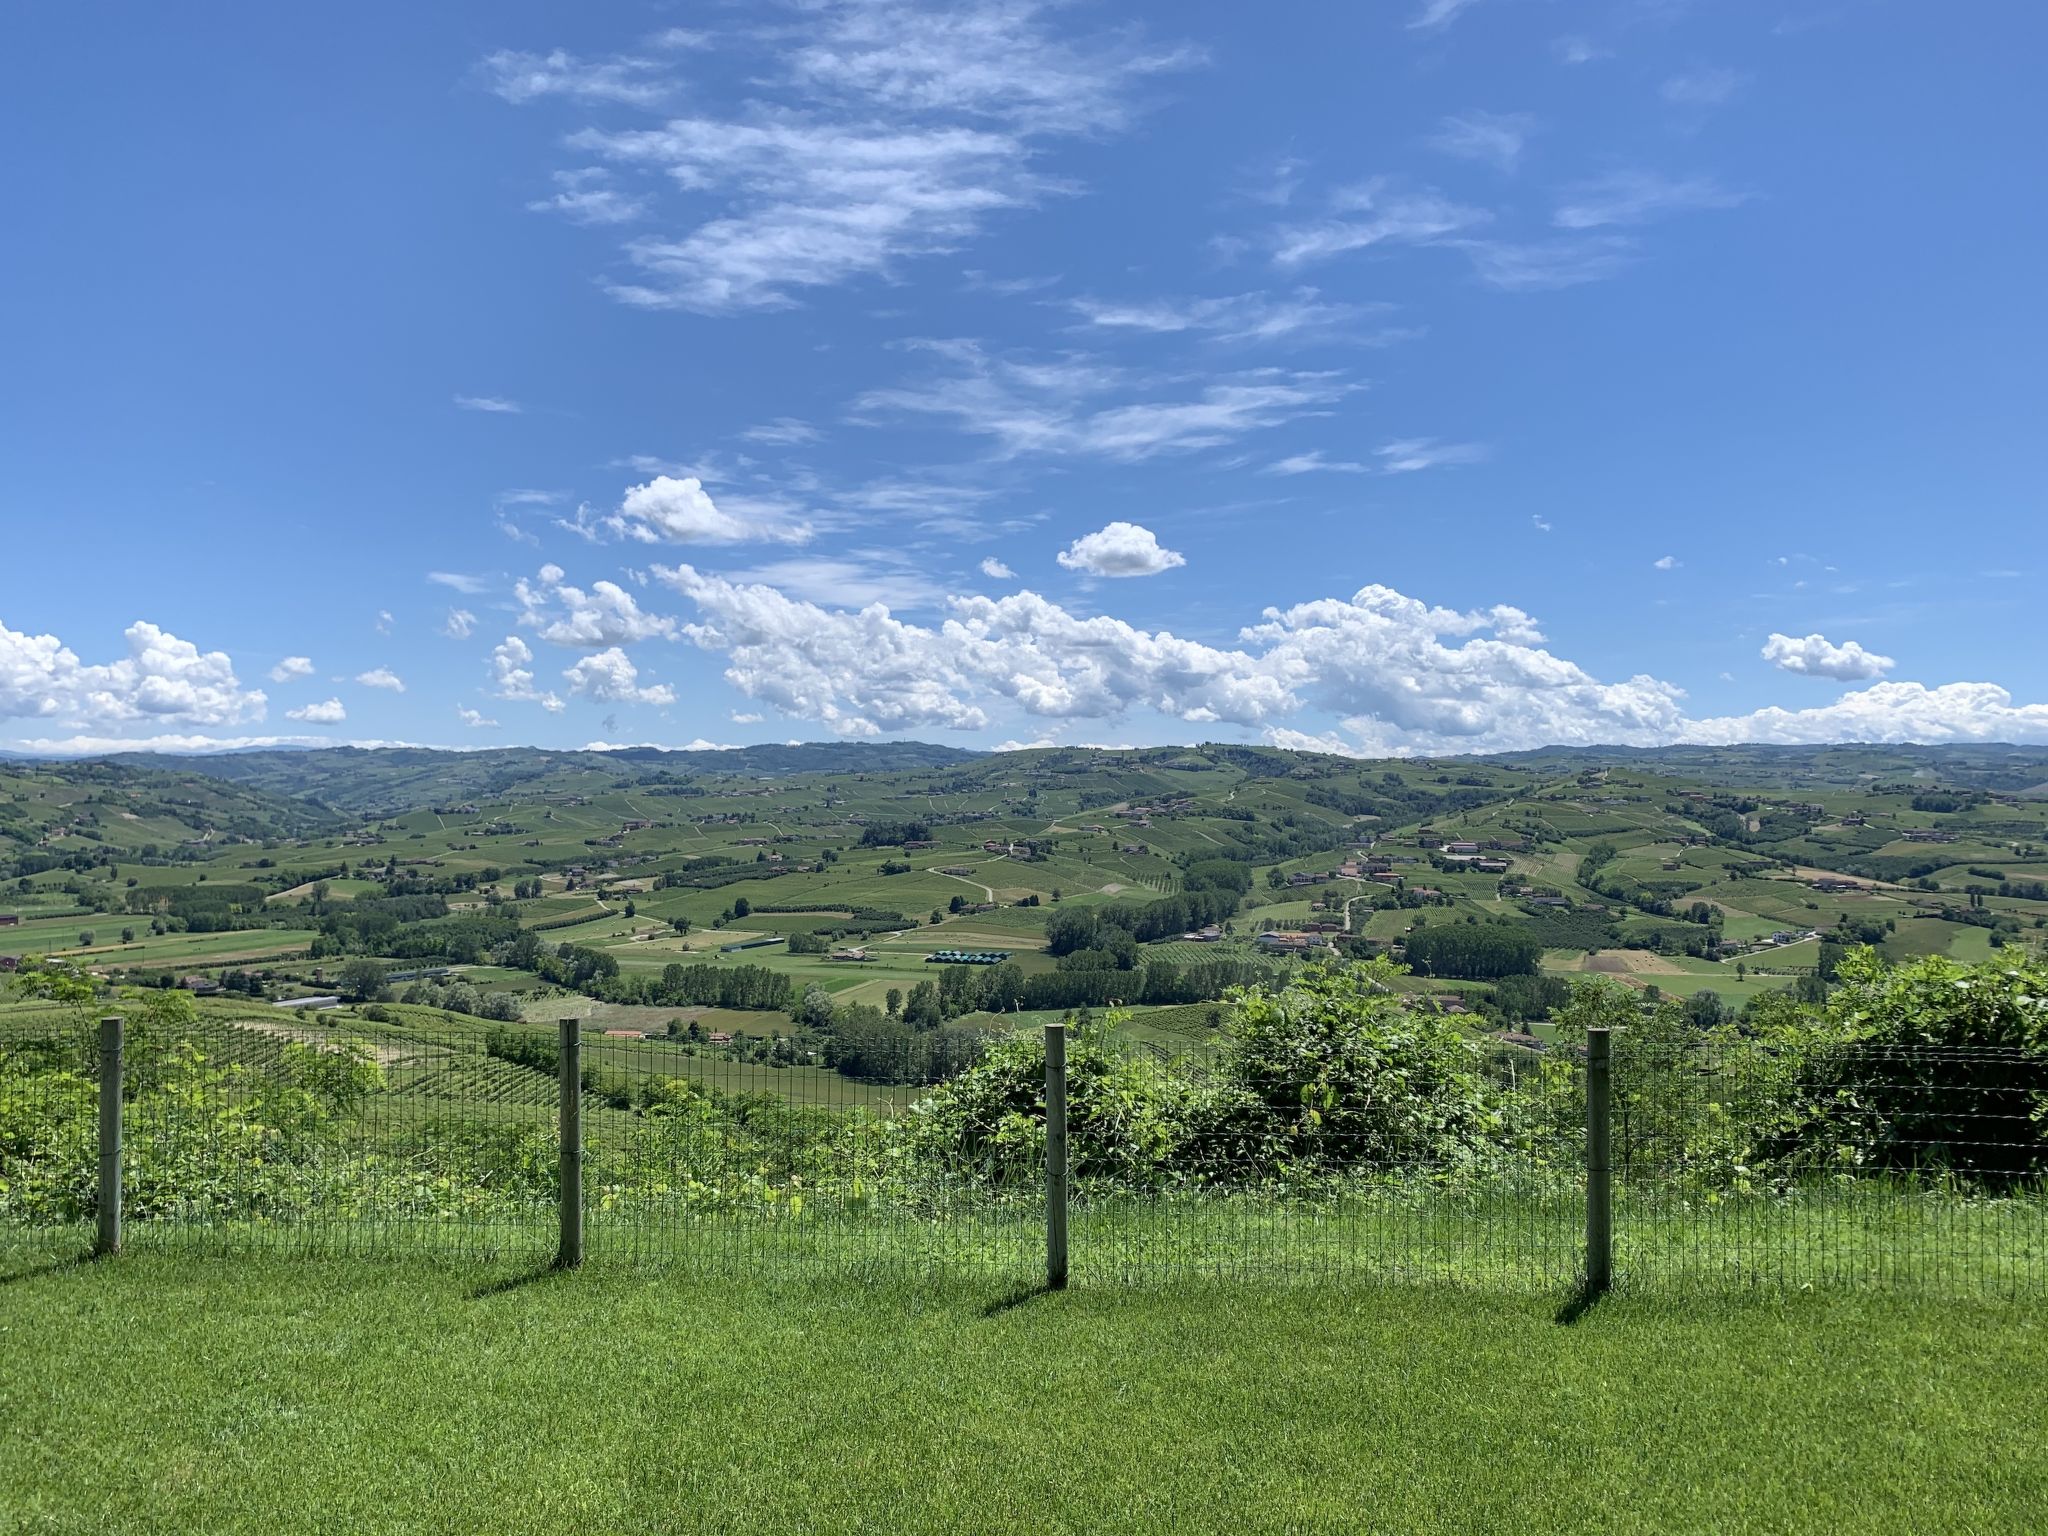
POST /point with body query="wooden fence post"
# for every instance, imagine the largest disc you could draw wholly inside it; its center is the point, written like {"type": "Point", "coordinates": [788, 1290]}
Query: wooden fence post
{"type": "Point", "coordinates": [1055, 1156]}
{"type": "Point", "coordinates": [570, 1254]}
{"type": "Point", "coordinates": [1599, 1161]}
{"type": "Point", "coordinates": [107, 1230]}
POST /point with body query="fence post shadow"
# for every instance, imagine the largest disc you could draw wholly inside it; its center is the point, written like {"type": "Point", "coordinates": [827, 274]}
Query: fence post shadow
{"type": "Point", "coordinates": [1585, 1296]}
{"type": "Point", "coordinates": [12, 1276]}
{"type": "Point", "coordinates": [1018, 1295]}
{"type": "Point", "coordinates": [538, 1274]}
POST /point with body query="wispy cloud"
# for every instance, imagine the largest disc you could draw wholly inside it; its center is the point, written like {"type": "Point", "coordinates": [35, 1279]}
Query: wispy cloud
{"type": "Point", "coordinates": [877, 132]}
{"type": "Point", "coordinates": [1495, 138]}
{"type": "Point", "coordinates": [1529, 266]}
{"type": "Point", "coordinates": [1578, 50]}
{"type": "Point", "coordinates": [460, 624]}
{"type": "Point", "coordinates": [1056, 406]}
{"type": "Point", "coordinates": [1702, 88]}
{"type": "Point", "coordinates": [523, 77]}
{"type": "Point", "coordinates": [1314, 462]}
{"type": "Point", "coordinates": [1635, 197]}
{"type": "Point", "coordinates": [782, 432]}
{"type": "Point", "coordinates": [468, 585]}
{"type": "Point", "coordinates": [1411, 455]}
{"type": "Point", "coordinates": [1243, 317]}
{"type": "Point", "coordinates": [1374, 212]}
{"type": "Point", "coordinates": [495, 405]}
{"type": "Point", "coordinates": [1435, 15]}
{"type": "Point", "coordinates": [586, 195]}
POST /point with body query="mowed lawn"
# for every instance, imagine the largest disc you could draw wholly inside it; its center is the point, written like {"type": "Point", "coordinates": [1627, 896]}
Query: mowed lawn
{"type": "Point", "coordinates": [167, 1393]}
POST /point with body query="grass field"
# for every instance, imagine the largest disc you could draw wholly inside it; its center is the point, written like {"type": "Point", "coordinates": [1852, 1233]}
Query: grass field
{"type": "Point", "coordinates": [281, 1397]}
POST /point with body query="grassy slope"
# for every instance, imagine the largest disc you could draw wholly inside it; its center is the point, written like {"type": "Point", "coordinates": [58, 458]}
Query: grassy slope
{"type": "Point", "coordinates": [280, 1397]}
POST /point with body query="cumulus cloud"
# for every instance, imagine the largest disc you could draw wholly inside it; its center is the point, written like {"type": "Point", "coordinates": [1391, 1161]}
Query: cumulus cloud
{"type": "Point", "coordinates": [162, 678]}
{"type": "Point", "coordinates": [292, 667]}
{"type": "Point", "coordinates": [1815, 656]}
{"type": "Point", "coordinates": [673, 509]}
{"type": "Point", "coordinates": [1666, 563]}
{"type": "Point", "coordinates": [382, 677]}
{"type": "Point", "coordinates": [1120, 549]}
{"type": "Point", "coordinates": [606, 615]}
{"type": "Point", "coordinates": [473, 718]}
{"type": "Point", "coordinates": [329, 713]}
{"type": "Point", "coordinates": [995, 570]}
{"type": "Point", "coordinates": [1397, 674]}
{"type": "Point", "coordinates": [609, 677]}
{"type": "Point", "coordinates": [511, 668]}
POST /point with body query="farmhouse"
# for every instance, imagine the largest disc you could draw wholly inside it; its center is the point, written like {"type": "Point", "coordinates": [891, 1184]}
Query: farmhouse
{"type": "Point", "coordinates": [851, 952]}
{"type": "Point", "coordinates": [1290, 943]}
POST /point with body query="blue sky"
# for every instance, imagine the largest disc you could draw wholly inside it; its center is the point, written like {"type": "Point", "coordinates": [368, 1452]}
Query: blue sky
{"type": "Point", "coordinates": [1394, 377]}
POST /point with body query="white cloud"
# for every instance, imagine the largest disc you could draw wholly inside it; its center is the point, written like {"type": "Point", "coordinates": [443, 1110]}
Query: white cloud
{"type": "Point", "coordinates": [459, 625]}
{"type": "Point", "coordinates": [329, 713]}
{"type": "Point", "coordinates": [873, 133]}
{"type": "Point", "coordinates": [1496, 138]}
{"type": "Point", "coordinates": [1374, 212]}
{"type": "Point", "coordinates": [1890, 712]}
{"type": "Point", "coordinates": [1435, 15]}
{"type": "Point", "coordinates": [1243, 317]}
{"type": "Point", "coordinates": [1120, 549]}
{"type": "Point", "coordinates": [1314, 462]}
{"type": "Point", "coordinates": [494, 405]}
{"type": "Point", "coordinates": [1051, 407]}
{"type": "Point", "coordinates": [782, 432]}
{"type": "Point", "coordinates": [468, 586]}
{"type": "Point", "coordinates": [1536, 266]}
{"type": "Point", "coordinates": [292, 667]}
{"type": "Point", "coordinates": [511, 666]}
{"type": "Point", "coordinates": [1632, 197]}
{"type": "Point", "coordinates": [995, 570]}
{"type": "Point", "coordinates": [745, 718]}
{"type": "Point", "coordinates": [858, 578]}
{"type": "Point", "coordinates": [672, 510]}
{"type": "Point", "coordinates": [1409, 455]}
{"type": "Point", "coordinates": [606, 615]}
{"type": "Point", "coordinates": [473, 718]}
{"type": "Point", "coordinates": [1023, 746]}
{"type": "Point", "coordinates": [1815, 656]}
{"type": "Point", "coordinates": [1666, 563]}
{"type": "Point", "coordinates": [1578, 50]}
{"type": "Point", "coordinates": [586, 195]}
{"type": "Point", "coordinates": [161, 678]}
{"type": "Point", "coordinates": [1399, 675]}
{"type": "Point", "coordinates": [609, 677]}
{"type": "Point", "coordinates": [1539, 523]}
{"type": "Point", "coordinates": [1702, 88]}
{"type": "Point", "coordinates": [381, 677]}
{"type": "Point", "coordinates": [525, 77]}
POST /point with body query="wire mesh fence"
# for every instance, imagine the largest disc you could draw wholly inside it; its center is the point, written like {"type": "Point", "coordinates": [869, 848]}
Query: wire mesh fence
{"type": "Point", "coordinates": [1435, 1158]}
